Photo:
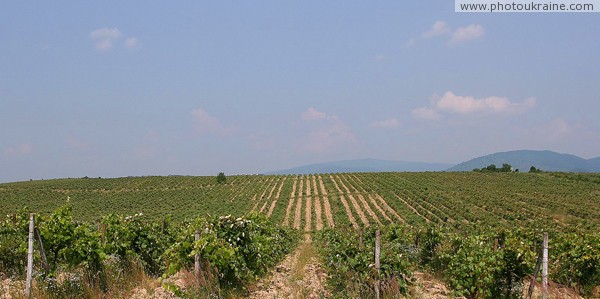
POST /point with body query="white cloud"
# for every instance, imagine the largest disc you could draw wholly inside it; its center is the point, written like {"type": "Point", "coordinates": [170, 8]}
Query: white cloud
{"type": "Point", "coordinates": [451, 103]}
{"type": "Point", "coordinates": [468, 104]}
{"type": "Point", "coordinates": [438, 28]}
{"type": "Point", "coordinates": [473, 31]}
{"type": "Point", "coordinates": [328, 133]}
{"type": "Point", "coordinates": [106, 33]}
{"type": "Point", "coordinates": [205, 123]}
{"type": "Point", "coordinates": [77, 143]}
{"type": "Point", "coordinates": [425, 113]}
{"type": "Point", "coordinates": [105, 38]}
{"type": "Point", "coordinates": [410, 43]}
{"type": "Point", "coordinates": [19, 150]}
{"type": "Point", "coordinates": [313, 114]}
{"type": "Point", "coordinates": [144, 152]}
{"type": "Point", "coordinates": [380, 58]}
{"type": "Point", "coordinates": [131, 43]}
{"type": "Point", "coordinates": [386, 124]}
{"type": "Point", "coordinates": [333, 136]}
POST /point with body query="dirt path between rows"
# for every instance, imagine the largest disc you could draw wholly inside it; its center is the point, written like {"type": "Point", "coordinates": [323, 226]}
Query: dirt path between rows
{"type": "Point", "coordinates": [288, 210]}
{"type": "Point", "coordinates": [299, 276]}
{"type": "Point", "coordinates": [298, 213]}
{"type": "Point", "coordinates": [381, 211]}
{"type": "Point", "coordinates": [308, 210]}
{"type": "Point", "coordinates": [345, 203]}
{"type": "Point", "coordinates": [390, 209]}
{"type": "Point", "coordinates": [326, 203]}
{"type": "Point", "coordinates": [318, 212]}
{"type": "Point", "coordinates": [262, 209]}
{"type": "Point", "coordinates": [412, 208]}
{"type": "Point", "coordinates": [272, 207]}
{"type": "Point", "coordinates": [359, 211]}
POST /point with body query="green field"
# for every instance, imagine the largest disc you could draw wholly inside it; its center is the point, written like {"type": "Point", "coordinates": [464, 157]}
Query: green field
{"type": "Point", "coordinates": [477, 232]}
{"type": "Point", "coordinates": [465, 199]}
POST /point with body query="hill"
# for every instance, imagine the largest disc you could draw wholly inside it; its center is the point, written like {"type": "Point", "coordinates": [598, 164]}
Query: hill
{"type": "Point", "coordinates": [524, 159]}
{"type": "Point", "coordinates": [363, 165]}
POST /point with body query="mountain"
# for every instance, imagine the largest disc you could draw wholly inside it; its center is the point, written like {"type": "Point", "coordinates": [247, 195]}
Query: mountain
{"type": "Point", "coordinates": [524, 159]}
{"type": "Point", "coordinates": [363, 165]}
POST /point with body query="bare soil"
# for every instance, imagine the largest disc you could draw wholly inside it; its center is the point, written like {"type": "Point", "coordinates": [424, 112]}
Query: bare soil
{"type": "Point", "coordinates": [299, 276]}
{"type": "Point", "coordinates": [272, 207]}
{"type": "Point", "coordinates": [359, 211]}
{"type": "Point", "coordinates": [326, 204]}
{"type": "Point", "coordinates": [381, 211]}
{"type": "Point", "coordinates": [388, 208]}
{"type": "Point", "coordinates": [288, 210]}
{"type": "Point", "coordinates": [412, 208]}
{"type": "Point", "coordinates": [298, 213]}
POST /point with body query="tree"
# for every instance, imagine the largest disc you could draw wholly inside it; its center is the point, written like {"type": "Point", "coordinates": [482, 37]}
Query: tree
{"type": "Point", "coordinates": [506, 167]}
{"type": "Point", "coordinates": [491, 168]}
{"type": "Point", "coordinates": [221, 178]}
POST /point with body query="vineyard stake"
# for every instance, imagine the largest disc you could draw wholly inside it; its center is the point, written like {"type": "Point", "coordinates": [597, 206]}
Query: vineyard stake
{"type": "Point", "coordinates": [545, 268]}
{"type": "Point", "coordinates": [103, 233]}
{"type": "Point", "coordinates": [377, 264]}
{"type": "Point", "coordinates": [38, 238]}
{"type": "Point", "coordinates": [197, 259]}
{"type": "Point", "coordinates": [538, 264]}
{"type": "Point", "coordinates": [29, 256]}
{"type": "Point", "coordinates": [360, 238]}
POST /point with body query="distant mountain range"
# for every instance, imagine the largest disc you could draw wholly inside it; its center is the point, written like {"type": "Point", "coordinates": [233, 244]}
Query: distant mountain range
{"type": "Point", "coordinates": [364, 165]}
{"type": "Point", "coordinates": [524, 159]}
{"type": "Point", "coordinates": [520, 159]}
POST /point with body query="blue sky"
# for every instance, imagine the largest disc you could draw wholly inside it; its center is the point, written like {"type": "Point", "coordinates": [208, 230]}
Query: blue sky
{"type": "Point", "coordinates": [118, 88]}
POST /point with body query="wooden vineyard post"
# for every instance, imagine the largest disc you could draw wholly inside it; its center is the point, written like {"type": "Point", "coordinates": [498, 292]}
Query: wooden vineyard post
{"type": "Point", "coordinates": [360, 239]}
{"type": "Point", "coordinates": [545, 267]}
{"type": "Point", "coordinates": [377, 264]}
{"type": "Point", "coordinates": [38, 238]}
{"type": "Point", "coordinates": [29, 256]}
{"type": "Point", "coordinates": [536, 271]}
{"type": "Point", "coordinates": [197, 259]}
{"type": "Point", "coordinates": [103, 231]}
{"type": "Point", "coordinates": [197, 263]}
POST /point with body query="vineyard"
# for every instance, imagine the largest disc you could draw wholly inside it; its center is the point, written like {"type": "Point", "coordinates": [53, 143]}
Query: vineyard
{"type": "Point", "coordinates": [479, 232]}
{"type": "Point", "coordinates": [314, 202]}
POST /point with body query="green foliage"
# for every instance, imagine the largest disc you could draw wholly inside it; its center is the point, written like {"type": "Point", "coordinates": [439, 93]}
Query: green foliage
{"type": "Point", "coordinates": [493, 168]}
{"type": "Point", "coordinates": [239, 249]}
{"type": "Point", "coordinates": [13, 249]}
{"type": "Point", "coordinates": [221, 178]}
{"type": "Point", "coordinates": [437, 208]}
{"type": "Point", "coordinates": [130, 238]}
{"type": "Point", "coordinates": [350, 267]}
{"type": "Point", "coordinates": [577, 260]}
{"type": "Point", "coordinates": [471, 266]}
{"type": "Point", "coordinates": [532, 169]}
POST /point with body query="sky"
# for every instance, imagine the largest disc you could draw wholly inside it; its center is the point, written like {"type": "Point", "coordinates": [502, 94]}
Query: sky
{"type": "Point", "coordinates": [129, 88]}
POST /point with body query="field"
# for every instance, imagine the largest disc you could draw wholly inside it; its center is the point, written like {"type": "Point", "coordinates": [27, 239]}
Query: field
{"type": "Point", "coordinates": [460, 200]}
{"type": "Point", "coordinates": [477, 233]}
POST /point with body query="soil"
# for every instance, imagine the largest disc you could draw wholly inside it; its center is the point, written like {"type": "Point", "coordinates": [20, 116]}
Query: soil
{"type": "Point", "coordinates": [326, 204]}
{"type": "Point", "coordinates": [298, 276]}
{"type": "Point", "coordinates": [288, 210]}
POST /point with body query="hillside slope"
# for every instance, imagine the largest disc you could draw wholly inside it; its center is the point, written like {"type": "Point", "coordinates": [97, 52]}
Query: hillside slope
{"type": "Point", "coordinates": [524, 159]}
{"type": "Point", "coordinates": [363, 165]}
